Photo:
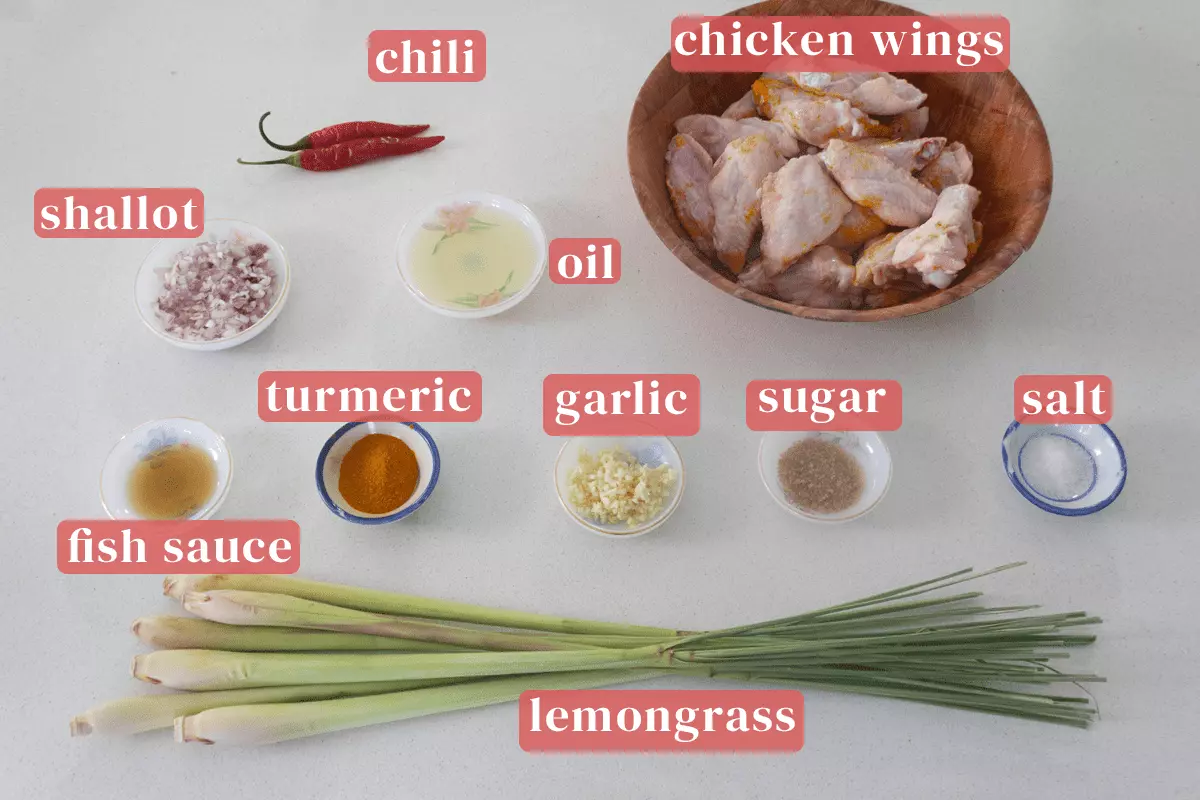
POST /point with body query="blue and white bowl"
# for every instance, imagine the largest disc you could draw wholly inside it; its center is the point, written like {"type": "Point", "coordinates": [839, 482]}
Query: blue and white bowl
{"type": "Point", "coordinates": [147, 439]}
{"type": "Point", "coordinates": [329, 466]}
{"type": "Point", "coordinates": [1093, 449]}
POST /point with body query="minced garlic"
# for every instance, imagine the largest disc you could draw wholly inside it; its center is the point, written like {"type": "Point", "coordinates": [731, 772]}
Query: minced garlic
{"type": "Point", "coordinates": [614, 487]}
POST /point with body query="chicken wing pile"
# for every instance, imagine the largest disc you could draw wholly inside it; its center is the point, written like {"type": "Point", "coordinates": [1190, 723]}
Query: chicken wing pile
{"type": "Point", "coordinates": [820, 189]}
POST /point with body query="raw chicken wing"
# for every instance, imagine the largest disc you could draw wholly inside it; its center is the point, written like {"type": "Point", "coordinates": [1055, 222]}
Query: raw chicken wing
{"type": "Point", "coordinates": [689, 170]}
{"type": "Point", "coordinates": [715, 133]}
{"type": "Point", "coordinates": [872, 180]}
{"type": "Point", "coordinates": [939, 249]}
{"type": "Point", "coordinates": [737, 176]}
{"type": "Point", "coordinates": [742, 108]}
{"type": "Point", "coordinates": [874, 265]}
{"type": "Point", "coordinates": [952, 167]}
{"type": "Point", "coordinates": [873, 92]}
{"type": "Point", "coordinates": [859, 226]}
{"type": "Point", "coordinates": [912, 155]}
{"type": "Point", "coordinates": [801, 207]}
{"type": "Point", "coordinates": [811, 116]}
{"type": "Point", "coordinates": [910, 124]}
{"type": "Point", "coordinates": [824, 278]}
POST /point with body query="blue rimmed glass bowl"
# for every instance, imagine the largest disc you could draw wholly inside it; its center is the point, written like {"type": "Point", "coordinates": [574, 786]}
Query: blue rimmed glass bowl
{"type": "Point", "coordinates": [329, 466]}
{"type": "Point", "coordinates": [1092, 451]}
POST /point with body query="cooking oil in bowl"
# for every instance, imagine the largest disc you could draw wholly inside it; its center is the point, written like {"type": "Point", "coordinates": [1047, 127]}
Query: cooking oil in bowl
{"type": "Point", "coordinates": [473, 256]}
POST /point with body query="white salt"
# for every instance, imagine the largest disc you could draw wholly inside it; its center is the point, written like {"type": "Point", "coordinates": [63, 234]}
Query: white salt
{"type": "Point", "coordinates": [1057, 467]}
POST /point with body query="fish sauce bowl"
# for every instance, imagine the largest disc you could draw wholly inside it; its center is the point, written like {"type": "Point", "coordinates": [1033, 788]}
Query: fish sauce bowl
{"type": "Point", "coordinates": [990, 113]}
{"type": "Point", "coordinates": [147, 439]}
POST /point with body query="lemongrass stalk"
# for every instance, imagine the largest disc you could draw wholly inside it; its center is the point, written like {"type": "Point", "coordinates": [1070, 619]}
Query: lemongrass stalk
{"type": "Point", "coordinates": [131, 715]}
{"type": "Point", "coordinates": [238, 607]}
{"type": "Point", "coordinates": [208, 670]}
{"type": "Point", "coordinates": [187, 633]}
{"type": "Point", "coordinates": [266, 724]}
{"type": "Point", "coordinates": [380, 602]}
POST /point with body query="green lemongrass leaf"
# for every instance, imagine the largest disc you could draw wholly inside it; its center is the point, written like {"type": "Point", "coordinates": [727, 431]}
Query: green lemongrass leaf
{"type": "Point", "coordinates": [871, 620]}
{"type": "Point", "coordinates": [912, 590]}
{"type": "Point", "coordinates": [877, 611]}
{"type": "Point", "coordinates": [1063, 715]}
{"type": "Point", "coordinates": [923, 682]}
{"type": "Point", "coordinates": [917, 625]}
{"type": "Point", "coordinates": [915, 638]}
{"type": "Point", "coordinates": [942, 675]}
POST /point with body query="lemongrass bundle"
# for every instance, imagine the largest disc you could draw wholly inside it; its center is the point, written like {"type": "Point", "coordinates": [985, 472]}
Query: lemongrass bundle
{"type": "Point", "coordinates": [913, 643]}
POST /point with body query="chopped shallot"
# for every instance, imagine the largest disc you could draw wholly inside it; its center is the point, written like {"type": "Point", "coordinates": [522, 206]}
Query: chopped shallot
{"type": "Point", "coordinates": [215, 290]}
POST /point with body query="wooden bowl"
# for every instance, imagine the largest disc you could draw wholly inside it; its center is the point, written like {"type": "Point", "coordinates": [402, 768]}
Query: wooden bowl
{"type": "Point", "coordinates": [988, 112]}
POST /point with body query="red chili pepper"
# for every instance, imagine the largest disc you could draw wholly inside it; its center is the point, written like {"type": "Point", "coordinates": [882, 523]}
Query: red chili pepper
{"type": "Point", "coordinates": [347, 154]}
{"type": "Point", "coordinates": [344, 132]}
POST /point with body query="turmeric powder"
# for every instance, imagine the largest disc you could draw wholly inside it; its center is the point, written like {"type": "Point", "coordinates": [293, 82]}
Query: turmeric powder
{"type": "Point", "coordinates": [379, 474]}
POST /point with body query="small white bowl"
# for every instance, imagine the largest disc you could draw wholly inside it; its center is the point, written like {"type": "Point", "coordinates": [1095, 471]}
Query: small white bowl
{"type": "Point", "coordinates": [429, 215]}
{"type": "Point", "coordinates": [145, 440]}
{"type": "Point", "coordinates": [329, 467]}
{"type": "Point", "coordinates": [867, 448]}
{"type": "Point", "coordinates": [653, 451]}
{"type": "Point", "coordinates": [148, 285]}
{"type": "Point", "coordinates": [1098, 447]}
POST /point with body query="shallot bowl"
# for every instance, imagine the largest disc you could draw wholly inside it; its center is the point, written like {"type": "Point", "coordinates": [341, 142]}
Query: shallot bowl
{"type": "Point", "coordinates": [990, 113]}
{"type": "Point", "coordinates": [149, 282]}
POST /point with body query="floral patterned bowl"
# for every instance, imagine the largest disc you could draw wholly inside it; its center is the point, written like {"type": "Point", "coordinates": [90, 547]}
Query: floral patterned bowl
{"type": "Point", "coordinates": [472, 255]}
{"type": "Point", "coordinates": [147, 439]}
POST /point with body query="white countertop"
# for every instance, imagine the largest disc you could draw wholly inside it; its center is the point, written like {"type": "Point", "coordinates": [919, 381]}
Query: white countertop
{"type": "Point", "coordinates": [162, 94]}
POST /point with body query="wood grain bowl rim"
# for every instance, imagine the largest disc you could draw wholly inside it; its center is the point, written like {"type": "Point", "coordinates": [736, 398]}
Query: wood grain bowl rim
{"type": "Point", "coordinates": [1021, 238]}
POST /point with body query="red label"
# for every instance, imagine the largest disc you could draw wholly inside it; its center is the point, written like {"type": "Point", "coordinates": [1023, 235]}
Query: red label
{"type": "Point", "coordinates": [824, 405]}
{"type": "Point", "coordinates": [190, 547]}
{"type": "Point", "coordinates": [840, 44]}
{"type": "Point", "coordinates": [437, 56]}
{"type": "Point", "coordinates": [348, 396]}
{"type": "Point", "coordinates": [118, 213]}
{"type": "Point", "coordinates": [585, 261]}
{"type": "Point", "coordinates": [1051, 399]}
{"type": "Point", "coordinates": [621, 405]}
{"type": "Point", "coordinates": [671, 720]}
